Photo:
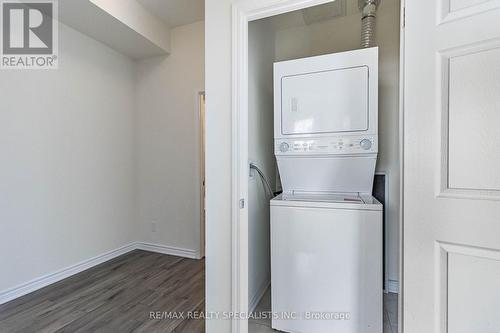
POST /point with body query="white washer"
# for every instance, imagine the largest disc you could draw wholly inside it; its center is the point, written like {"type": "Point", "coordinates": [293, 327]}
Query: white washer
{"type": "Point", "coordinates": [326, 257]}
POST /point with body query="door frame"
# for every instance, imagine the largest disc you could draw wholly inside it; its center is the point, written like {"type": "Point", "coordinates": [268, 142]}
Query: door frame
{"type": "Point", "coordinates": [243, 12]}
{"type": "Point", "coordinates": [201, 189]}
{"type": "Point", "coordinates": [401, 160]}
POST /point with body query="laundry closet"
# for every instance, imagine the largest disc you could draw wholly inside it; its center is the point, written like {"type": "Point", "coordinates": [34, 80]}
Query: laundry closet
{"type": "Point", "coordinates": [323, 136]}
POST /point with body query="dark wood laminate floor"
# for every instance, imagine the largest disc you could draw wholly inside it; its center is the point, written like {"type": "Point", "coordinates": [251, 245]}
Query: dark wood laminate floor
{"type": "Point", "coordinates": [116, 296]}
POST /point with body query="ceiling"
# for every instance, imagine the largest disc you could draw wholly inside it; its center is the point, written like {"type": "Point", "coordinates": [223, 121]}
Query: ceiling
{"type": "Point", "coordinates": [176, 12]}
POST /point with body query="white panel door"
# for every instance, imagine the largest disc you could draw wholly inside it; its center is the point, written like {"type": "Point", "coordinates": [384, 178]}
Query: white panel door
{"type": "Point", "coordinates": [451, 268]}
{"type": "Point", "coordinates": [325, 102]}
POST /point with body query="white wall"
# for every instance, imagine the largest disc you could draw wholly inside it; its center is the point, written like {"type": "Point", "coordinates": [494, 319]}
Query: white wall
{"type": "Point", "coordinates": [167, 141]}
{"type": "Point", "coordinates": [295, 40]}
{"type": "Point", "coordinates": [66, 160]}
{"type": "Point", "coordinates": [260, 151]}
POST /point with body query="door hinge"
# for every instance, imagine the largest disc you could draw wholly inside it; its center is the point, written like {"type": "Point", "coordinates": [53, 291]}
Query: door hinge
{"type": "Point", "coordinates": [404, 15]}
{"type": "Point", "coordinates": [242, 203]}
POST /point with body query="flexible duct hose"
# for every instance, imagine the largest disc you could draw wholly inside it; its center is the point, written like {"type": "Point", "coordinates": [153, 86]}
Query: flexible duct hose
{"type": "Point", "coordinates": [368, 20]}
{"type": "Point", "coordinates": [367, 31]}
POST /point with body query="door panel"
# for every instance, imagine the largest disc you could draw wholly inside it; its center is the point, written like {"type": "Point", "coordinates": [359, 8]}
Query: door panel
{"type": "Point", "coordinates": [455, 9]}
{"type": "Point", "coordinates": [452, 156]}
{"type": "Point", "coordinates": [471, 276]}
{"type": "Point", "coordinates": [474, 120]}
{"type": "Point", "coordinates": [461, 4]}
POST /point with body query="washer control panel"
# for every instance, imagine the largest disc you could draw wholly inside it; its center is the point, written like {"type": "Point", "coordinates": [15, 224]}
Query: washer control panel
{"type": "Point", "coordinates": [327, 145]}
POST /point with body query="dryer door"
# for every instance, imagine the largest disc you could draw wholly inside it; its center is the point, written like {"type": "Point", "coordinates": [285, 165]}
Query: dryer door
{"type": "Point", "coordinates": [332, 101]}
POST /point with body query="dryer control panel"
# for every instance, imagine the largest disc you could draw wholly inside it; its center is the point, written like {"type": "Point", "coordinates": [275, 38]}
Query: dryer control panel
{"type": "Point", "coordinates": [339, 145]}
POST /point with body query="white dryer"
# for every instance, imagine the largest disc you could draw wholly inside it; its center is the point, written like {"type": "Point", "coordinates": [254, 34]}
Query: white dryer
{"type": "Point", "coordinates": [326, 122]}
{"type": "Point", "coordinates": [326, 228]}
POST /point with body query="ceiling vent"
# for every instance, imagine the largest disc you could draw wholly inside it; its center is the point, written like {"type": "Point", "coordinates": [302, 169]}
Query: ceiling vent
{"type": "Point", "coordinates": [337, 8]}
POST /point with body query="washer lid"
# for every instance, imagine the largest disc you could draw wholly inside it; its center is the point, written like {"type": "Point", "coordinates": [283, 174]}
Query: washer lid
{"type": "Point", "coordinates": [353, 198]}
{"type": "Point", "coordinates": [354, 201]}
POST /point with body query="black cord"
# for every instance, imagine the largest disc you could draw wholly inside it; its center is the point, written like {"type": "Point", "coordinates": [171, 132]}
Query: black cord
{"type": "Point", "coordinates": [263, 177]}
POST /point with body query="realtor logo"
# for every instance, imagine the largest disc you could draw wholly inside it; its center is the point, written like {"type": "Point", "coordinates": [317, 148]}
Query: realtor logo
{"type": "Point", "coordinates": [29, 34]}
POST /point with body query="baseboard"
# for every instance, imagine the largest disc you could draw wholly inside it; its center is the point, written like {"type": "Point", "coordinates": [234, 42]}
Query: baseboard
{"type": "Point", "coordinates": [254, 301]}
{"type": "Point", "coordinates": [393, 286]}
{"type": "Point", "coordinates": [45, 280]}
{"type": "Point", "coordinates": [165, 249]}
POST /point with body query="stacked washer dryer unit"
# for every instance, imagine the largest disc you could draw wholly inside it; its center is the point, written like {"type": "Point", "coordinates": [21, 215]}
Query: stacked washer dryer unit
{"type": "Point", "coordinates": [326, 228]}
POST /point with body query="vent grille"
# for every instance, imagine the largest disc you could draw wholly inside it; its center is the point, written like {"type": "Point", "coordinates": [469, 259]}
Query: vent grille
{"type": "Point", "coordinates": [324, 12]}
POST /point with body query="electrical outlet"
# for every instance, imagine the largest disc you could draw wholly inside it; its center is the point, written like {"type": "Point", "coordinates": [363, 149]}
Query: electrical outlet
{"type": "Point", "coordinates": [153, 226]}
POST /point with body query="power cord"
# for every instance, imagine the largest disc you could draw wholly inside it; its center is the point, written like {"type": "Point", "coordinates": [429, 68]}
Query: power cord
{"type": "Point", "coordinates": [263, 177]}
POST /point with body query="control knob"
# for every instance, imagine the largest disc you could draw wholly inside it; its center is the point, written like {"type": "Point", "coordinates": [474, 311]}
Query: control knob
{"type": "Point", "coordinates": [365, 144]}
{"type": "Point", "coordinates": [284, 147]}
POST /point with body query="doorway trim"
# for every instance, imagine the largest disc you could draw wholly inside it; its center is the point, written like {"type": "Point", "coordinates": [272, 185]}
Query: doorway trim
{"type": "Point", "coordinates": [402, 32]}
{"type": "Point", "coordinates": [200, 190]}
{"type": "Point", "coordinates": [243, 12]}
